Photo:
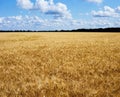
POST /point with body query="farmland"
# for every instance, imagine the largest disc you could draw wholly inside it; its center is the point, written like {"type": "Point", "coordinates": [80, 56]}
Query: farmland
{"type": "Point", "coordinates": [59, 64]}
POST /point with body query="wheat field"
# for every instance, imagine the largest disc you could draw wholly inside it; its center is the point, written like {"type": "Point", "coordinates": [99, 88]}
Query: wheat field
{"type": "Point", "coordinates": [59, 64]}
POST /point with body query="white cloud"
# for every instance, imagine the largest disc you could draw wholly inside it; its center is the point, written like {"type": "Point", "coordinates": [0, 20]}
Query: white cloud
{"type": "Point", "coordinates": [25, 4]}
{"type": "Point", "coordinates": [95, 1]}
{"type": "Point", "coordinates": [1, 19]}
{"type": "Point", "coordinates": [109, 9]}
{"type": "Point", "coordinates": [32, 23]}
{"type": "Point", "coordinates": [101, 23]}
{"type": "Point", "coordinates": [49, 7]}
{"type": "Point", "coordinates": [106, 12]}
{"type": "Point", "coordinates": [118, 9]}
{"type": "Point", "coordinates": [58, 10]}
{"type": "Point", "coordinates": [37, 23]}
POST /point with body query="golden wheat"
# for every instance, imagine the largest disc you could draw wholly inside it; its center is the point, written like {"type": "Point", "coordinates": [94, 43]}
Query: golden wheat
{"type": "Point", "coordinates": [59, 64]}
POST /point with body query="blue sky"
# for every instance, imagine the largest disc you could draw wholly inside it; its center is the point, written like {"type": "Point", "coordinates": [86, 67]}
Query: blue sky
{"type": "Point", "coordinates": [58, 14]}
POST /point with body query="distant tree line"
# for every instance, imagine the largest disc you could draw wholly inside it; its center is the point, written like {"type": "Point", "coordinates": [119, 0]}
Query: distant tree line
{"type": "Point", "coordinates": [77, 30]}
{"type": "Point", "coordinates": [98, 30]}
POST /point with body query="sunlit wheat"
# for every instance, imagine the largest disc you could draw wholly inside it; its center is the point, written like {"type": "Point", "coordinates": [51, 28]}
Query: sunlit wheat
{"type": "Point", "coordinates": [59, 64]}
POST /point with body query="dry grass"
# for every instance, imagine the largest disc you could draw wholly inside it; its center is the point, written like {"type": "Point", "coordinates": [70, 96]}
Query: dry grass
{"type": "Point", "coordinates": [59, 65]}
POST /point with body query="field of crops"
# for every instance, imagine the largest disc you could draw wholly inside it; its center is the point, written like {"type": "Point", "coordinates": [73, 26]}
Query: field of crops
{"type": "Point", "coordinates": [59, 64]}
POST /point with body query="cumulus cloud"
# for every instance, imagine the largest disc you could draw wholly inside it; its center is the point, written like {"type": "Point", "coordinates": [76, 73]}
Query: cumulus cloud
{"type": "Point", "coordinates": [95, 1]}
{"type": "Point", "coordinates": [17, 22]}
{"type": "Point", "coordinates": [118, 9]}
{"type": "Point", "coordinates": [32, 23]}
{"type": "Point", "coordinates": [106, 12]}
{"type": "Point", "coordinates": [25, 4]}
{"type": "Point", "coordinates": [37, 23]}
{"type": "Point", "coordinates": [1, 20]}
{"type": "Point", "coordinates": [49, 7]}
{"type": "Point", "coordinates": [58, 10]}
